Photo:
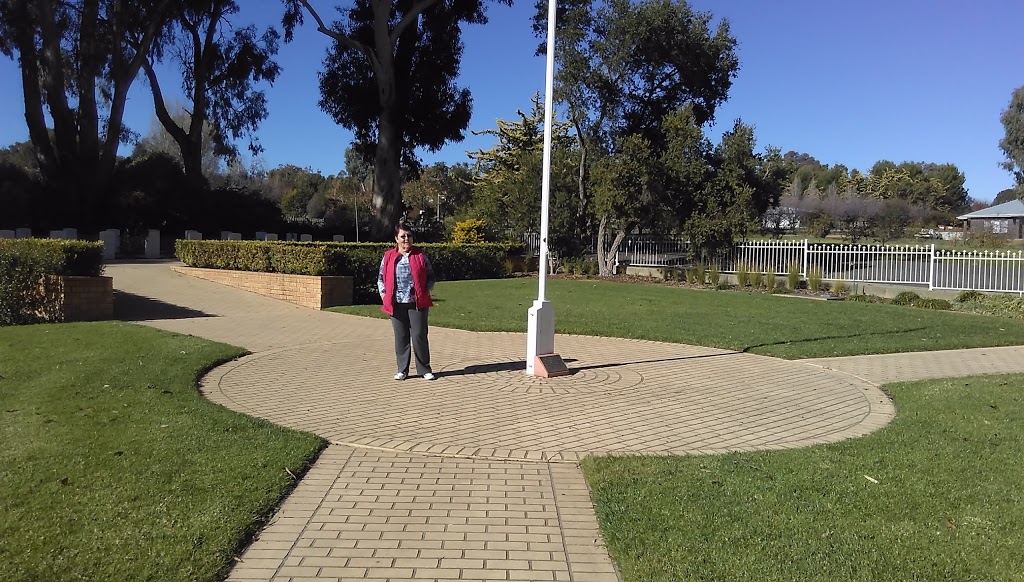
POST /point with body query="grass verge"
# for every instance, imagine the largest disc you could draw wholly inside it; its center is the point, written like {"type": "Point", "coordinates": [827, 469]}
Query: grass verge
{"type": "Point", "coordinates": [113, 467]}
{"type": "Point", "coordinates": [934, 496]}
{"type": "Point", "coordinates": [784, 327]}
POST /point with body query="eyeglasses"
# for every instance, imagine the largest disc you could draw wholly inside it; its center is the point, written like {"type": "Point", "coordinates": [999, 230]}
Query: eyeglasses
{"type": "Point", "coordinates": [407, 235]}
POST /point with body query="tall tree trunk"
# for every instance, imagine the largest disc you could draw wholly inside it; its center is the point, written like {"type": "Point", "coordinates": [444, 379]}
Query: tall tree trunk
{"type": "Point", "coordinates": [606, 259]}
{"type": "Point", "coordinates": [387, 196]}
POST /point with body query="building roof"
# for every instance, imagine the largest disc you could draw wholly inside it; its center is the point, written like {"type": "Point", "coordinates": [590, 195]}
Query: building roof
{"type": "Point", "coordinates": [1011, 209]}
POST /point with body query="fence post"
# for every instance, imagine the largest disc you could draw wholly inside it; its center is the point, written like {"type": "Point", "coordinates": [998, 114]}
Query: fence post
{"type": "Point", "coordinates": [931, 269]}
{"type": "Point", "coordinates": [803, 272]}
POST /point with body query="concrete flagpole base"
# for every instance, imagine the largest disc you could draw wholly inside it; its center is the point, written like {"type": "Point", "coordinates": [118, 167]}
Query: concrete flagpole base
{"type": "Point", "coordinates": [541, 359]}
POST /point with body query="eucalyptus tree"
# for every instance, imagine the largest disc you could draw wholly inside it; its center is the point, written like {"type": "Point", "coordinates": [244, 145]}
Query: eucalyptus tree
{"type": "Point", "coordinates": [219, 69]}
{"type": "Point", "coordinates": [390, 77]}
{"type": "Point", "coordinates": [78, 61]}
{"type": "Point", "coordinates": [623, 67]}
{"type": "Point", "coordinates": [1012, 143]}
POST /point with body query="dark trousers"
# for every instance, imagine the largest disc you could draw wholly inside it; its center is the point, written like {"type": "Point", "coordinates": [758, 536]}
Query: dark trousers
{"type": "Point", "coordinates": [411, 322]}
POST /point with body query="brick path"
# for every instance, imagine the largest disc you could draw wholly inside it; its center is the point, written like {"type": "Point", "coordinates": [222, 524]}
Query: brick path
{"type": "Point", "coordinates": [474, 476]}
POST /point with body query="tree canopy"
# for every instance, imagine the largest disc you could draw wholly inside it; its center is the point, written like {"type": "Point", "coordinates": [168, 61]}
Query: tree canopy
{"type": "Point", "coordinates": [1012, 143]}
{"type": "Point", "coordinates": [390, 77]}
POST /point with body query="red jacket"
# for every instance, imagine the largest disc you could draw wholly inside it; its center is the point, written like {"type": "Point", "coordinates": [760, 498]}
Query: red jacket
{"type": "Point", "coordinates": [418, 266]}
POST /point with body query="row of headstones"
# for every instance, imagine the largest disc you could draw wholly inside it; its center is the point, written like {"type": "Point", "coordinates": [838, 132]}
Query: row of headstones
{"type": "Point", "coordinates": [260, 235]}
{"type": "Point", "coordinates": [111, 239]}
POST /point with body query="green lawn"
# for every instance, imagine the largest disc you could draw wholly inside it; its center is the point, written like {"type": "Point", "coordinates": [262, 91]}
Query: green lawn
{"type": "Point", "coordinates": [934, 496]}
{"type": "Point", "coordinates": [784, 327]}
{"type": "Point", "coordinates": [113, 467]}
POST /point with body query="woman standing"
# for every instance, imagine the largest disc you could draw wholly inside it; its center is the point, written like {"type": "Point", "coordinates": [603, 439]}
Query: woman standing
{"type": "Point", "coordinates": [405, 280]}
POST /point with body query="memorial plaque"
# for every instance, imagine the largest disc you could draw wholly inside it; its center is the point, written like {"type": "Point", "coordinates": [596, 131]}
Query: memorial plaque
{"type": "Point", "coordinates": [549, 366]}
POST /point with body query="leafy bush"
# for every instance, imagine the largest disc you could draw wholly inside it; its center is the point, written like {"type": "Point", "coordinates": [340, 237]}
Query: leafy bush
{"type": "Point", "coordinates": [995, 305]}
{"type": "Point", "coordinates": [24, 263]}
{"type": "Point", "coordinates": [793, 276]}
{"type": "Point", "coordinates": [742, 275]}
{"type": "Point", "coordinates": [361, 261]}
{"type": "Point", "coordinates": [906, 298]}
{"type": "Point", "coordinates": [469, 231]}
{"type": "Point", "coordinates": [939, 304]}
{"type": "Point", "coordinates": [967, 296]}
{"type": "Point", "coordinates": [756, 279]}
{"type": "Point", "coordinates": [814, 279]}
{"type": "Point", "coordinates": [714, 276]}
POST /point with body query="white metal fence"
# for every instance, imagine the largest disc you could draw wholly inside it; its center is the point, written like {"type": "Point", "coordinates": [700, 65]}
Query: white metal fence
{"type": "Point", "coordinates": [1001, 271]}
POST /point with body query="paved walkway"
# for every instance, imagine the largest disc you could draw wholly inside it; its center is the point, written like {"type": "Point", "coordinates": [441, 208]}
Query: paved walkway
{"type": "Point", "coordinates": [474, 476]}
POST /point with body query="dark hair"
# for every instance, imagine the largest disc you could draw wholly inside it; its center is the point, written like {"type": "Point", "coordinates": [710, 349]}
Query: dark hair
{"type": "Point", "coordinates": [403, 226]}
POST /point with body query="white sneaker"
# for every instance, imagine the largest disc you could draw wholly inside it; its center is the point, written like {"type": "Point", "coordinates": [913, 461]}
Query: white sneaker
{"type": "Point", "coordinates": [400, 376]}
{"type": "Point", "coordinates": [429, 376]}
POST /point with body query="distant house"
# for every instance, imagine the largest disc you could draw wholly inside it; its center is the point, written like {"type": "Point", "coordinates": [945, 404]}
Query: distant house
{"type": "Point", "coordinates": [1005, 220]}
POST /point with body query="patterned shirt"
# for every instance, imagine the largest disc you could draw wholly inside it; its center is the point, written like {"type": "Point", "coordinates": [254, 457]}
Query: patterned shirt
{"type": "Point", "coordinates": [403, 279]}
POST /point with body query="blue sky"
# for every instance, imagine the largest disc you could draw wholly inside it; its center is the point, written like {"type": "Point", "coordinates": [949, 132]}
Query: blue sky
{"type": "Point", "coordinates": [849, 82]}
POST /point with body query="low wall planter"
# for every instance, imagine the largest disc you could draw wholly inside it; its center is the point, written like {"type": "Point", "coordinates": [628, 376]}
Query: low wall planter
{"type": "Point", "coordinates": [305, 290]}
{"type": "Point", "coordinates": [70, 298]}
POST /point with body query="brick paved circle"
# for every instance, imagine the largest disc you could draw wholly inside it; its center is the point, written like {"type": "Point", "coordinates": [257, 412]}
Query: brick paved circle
{"type": "Point", "coordinates": [510, 376]}
{"type": "Point", "coordinates": [625, 397]}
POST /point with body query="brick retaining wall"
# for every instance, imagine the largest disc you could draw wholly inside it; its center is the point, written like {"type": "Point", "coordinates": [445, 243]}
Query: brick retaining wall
{"type": "Point", "coordinates": [305, 290]}
{"type": "Point", "coordinates": [78, 298]}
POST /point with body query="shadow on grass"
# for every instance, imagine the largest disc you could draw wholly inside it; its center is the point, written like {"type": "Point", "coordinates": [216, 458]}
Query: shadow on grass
{"type": "Point", "coordinates": [131, 307]}
{"type": "Point", "coordinates": [831, 337]}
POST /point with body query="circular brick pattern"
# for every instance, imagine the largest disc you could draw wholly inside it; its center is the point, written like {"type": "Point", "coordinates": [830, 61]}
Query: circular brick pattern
{"type": "Point", "coordinates": [510, 376]}
{"type": "Point", "coordinates": [625, 397]}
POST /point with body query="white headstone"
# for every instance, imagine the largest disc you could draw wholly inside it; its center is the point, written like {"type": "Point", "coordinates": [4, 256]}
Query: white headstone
{"type": "Point", "coordinates": [6, 234]}
{"type": "Point", "coordinates": [271, 236]}
{"type": "Point", "coordinates": [260, 235]}
{"type": "Point", "coordinates": [23, 233]}
{"type": "Point", "coordinates": [306, 238]}
{"type": "Point", "coordinates": [71, 234]}
{"type": "Point", "coordinates": [153, 244]}
{"type": "Point", "coordinates": [111, 239]}
{"type": "Point", "coordinates": [234, 236]}
{"type": "Point", "coordinates": [225, 234]}
{"type": "Point", "coordinates": [193, 235]}
{"type": "Point", "coordinates": [57, 234]}
{"type": "Point", "coordinates": [291, 236]}
{"type": "Point", "coordinates": [339, 238]}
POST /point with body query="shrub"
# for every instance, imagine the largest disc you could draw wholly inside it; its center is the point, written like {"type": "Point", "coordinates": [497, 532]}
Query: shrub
{"type": "Point", "coordinates": [994, 305]}
{"type": "Point", "coordinates": [814, 279]}
{"type": "Point", "coordinates": [939, 304]}
{"type": "Point", "coordinates": [840, 287]}
{"type": "Point", "coordinates": [24, 263]}
{"type": "Point", "coordinates": [969, 296]}
{"type": "Point", "coordinates": [742, 275]}
{"type": "Point", "coordinates": [714, 276]}
{"type": "Point", "coordinates": [469, 231]}
{"type": "Point", "coordinates": [701, 272]}
{"type": "Point", "coordinates": [361, 261]}
{"type": "Point", "coordinates": [592, 268]}
{"type": "Point", "coordinates": [757, 279]}
{"type": "Point", "coordinates": [906, 298]}
{"type": "Point", "coordinates": [793, 276]}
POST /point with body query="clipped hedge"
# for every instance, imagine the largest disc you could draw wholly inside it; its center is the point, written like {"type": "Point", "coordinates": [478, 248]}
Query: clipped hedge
{"type": "Point", "coordinates": [361, 261]}
{"type": "Point", "coordinates": [24, 263]}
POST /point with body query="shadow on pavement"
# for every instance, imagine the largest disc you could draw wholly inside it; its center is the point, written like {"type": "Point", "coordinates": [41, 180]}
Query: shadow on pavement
{"type": "Point", "coordinates": [131, 307]}
{"type": "Point", "coordinates": [831, 337]}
